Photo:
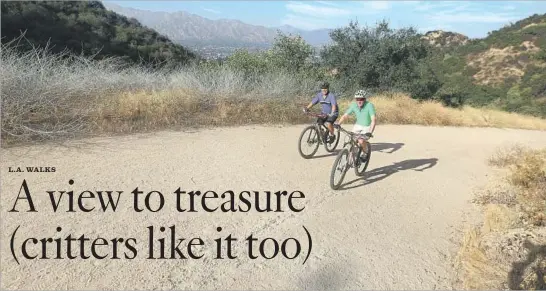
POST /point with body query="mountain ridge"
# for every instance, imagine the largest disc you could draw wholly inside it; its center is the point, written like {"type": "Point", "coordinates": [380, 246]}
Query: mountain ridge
{"type": "Point", "coordinates": [88, 28]}
{"type": "Point", "coordinates": [188, 28]}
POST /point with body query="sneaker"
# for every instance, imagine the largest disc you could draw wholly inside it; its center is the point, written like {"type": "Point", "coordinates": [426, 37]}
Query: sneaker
{"type": "Point", "coordinates": [331, 138]}
{"type": "Point", "coordinates": [364, 158]}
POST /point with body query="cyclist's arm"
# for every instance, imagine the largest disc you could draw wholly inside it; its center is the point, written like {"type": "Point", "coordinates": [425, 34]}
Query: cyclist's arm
{"type": "Point", "coordinates": [342, 119]}
{"type": "Point", "coordinates": [314, 101]}
{"type": "Point", "coordinates": [372, 126]}
{"type": "Point", "coordinates": [334, 104]}
{"type": "Point", "coordinates": [373, 117]}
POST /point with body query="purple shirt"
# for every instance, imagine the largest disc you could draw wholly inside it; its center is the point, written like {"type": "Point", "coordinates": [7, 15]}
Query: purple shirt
{"type": "Point", "coordinates": [326, 101]}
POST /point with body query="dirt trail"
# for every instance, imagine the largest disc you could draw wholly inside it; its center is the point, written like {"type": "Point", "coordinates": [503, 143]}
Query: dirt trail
{"type": "Point", "coordinates": [391, 230]}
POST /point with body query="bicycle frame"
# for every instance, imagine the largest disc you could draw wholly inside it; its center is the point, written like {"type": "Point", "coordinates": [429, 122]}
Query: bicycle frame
{"type": "Point", "coordinates": [353, 142]}
{"type": "Point", "coordinates": [321, 130]}
{"type": "Point", "coordinates": [351, 150]}
{"type": "Point", "coordinates": [321, 127]}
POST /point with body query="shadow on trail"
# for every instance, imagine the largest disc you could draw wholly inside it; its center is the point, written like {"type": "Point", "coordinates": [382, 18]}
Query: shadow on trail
{"type": "Point", "coordinates": [383, 146]}
{"type": "Point", "coordinates": [381, 173]}
{"type": "Point", "coordinates": [327, 277]}
{"type": "Point", "coordinates": [376, 147]}
{"type": "Point", "coordinates": [515, 276]}
{"type": "Point", "coordinates": [332, 154]}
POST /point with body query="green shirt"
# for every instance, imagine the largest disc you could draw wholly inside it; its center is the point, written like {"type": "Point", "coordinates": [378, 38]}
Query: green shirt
{"type": "Point", "coordinates": [364, 115]}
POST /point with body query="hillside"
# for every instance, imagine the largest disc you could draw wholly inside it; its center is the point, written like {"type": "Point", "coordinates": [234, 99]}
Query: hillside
{"type": "Point", "coordinates": [440, 38]}
{"type": "Point", "coordinates": [507, 68]}
{"type": "Point", "coordinates": [86, 26]}
{"type": "Point", "coordinates": [191, 29]}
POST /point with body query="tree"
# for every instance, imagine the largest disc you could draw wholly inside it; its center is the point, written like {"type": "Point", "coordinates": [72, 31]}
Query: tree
{"type": "Point", "coordinates": [291, 52]}
{"type": "Point", "coordinates": [381, 58]}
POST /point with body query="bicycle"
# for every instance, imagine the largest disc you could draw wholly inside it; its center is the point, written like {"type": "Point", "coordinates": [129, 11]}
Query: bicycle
{"type": "Point", "coordinates": [351, 153]}
{"type": "Point", "coordinates": [314, 131]}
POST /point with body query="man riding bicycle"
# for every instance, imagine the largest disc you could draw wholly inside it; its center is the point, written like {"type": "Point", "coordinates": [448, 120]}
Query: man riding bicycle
{"type": "Point", "coordinates": [329, 107]}
{"type": "Point", "coordinates": [365, 119]}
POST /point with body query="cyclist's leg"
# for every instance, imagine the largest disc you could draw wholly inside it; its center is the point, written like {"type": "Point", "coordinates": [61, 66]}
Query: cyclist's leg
{"type": "Point", "coordinates": [321, 120]}
{"type": "Point", "coordinates": [361, 130]}
{"type": "Point", "coordinates": [330, 124]}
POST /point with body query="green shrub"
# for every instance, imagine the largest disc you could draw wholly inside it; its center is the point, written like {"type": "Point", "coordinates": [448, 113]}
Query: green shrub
{"type": "Point", "coordinates": [380, 58]}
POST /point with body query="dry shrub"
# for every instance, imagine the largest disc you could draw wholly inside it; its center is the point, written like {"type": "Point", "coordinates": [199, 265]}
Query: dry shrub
{"type": "Point", "coordinates": [528, 171]}
{"type": "Point", "coordinates": [475, 269]}
{"type": "Point", "coordinates": [56, 96]}
{"type": "Point", "coordinates": [488, 255]}
{"type": "Point", "coordinates": [507, 155]}
{"type": "Point", "coordinates": [484, 117]}
{"type": "Point", "coordinates": [142, 111]}
{"type": "Point", "coordinates": [51, 97]}
{"type": "Point", "coordinates": [145, 110]}
{"type": "Point", "coordinates": [398, 108]}
{"type": "Point", "coordinates": [497, 193]}
{"type": "Point", "coordinates": [498, 218]}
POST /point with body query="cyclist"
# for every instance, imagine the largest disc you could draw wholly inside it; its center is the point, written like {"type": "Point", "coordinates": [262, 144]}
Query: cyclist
{"type": "Point", "coordinates": [365, 119]}
{"type": "Point", "coordinates": [329, 107]}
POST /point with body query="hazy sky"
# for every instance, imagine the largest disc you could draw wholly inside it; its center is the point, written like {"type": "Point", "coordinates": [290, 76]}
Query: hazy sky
{"type": "Point", "coordinates": [472, 18]}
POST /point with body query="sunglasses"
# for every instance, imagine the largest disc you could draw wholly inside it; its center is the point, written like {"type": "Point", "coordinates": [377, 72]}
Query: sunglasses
{"type": "Point", "coordinates": [359, 99]}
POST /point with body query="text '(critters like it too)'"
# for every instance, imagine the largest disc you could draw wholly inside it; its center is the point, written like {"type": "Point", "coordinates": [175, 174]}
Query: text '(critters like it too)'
{"type": "Point", "coordinates": [161, 242]}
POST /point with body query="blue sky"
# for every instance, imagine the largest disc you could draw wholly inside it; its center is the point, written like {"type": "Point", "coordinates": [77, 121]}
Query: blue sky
{"type": "Point", "coordinates": [472, 18]}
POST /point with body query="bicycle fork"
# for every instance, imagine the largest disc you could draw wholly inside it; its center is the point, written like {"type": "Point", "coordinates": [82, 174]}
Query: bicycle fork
{"type": "Point", "coordinates": [354, 158]}
{"type": "Point", "coordinates": [312, 139]}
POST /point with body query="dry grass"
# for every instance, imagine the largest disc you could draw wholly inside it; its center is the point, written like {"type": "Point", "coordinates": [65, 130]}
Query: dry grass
{"type": "Point", "coordinates": [52, 97]}
{"type": "Point", "coordinates": [527, 173]}
{"type": "Point", "coordinates": [489, 255]}
{"type": "Point", "coordinates": [398, 108]}
{"type": "Point", "coordinates": [145, 110]}
{"type": "Point", "coordinates": [476, 270]}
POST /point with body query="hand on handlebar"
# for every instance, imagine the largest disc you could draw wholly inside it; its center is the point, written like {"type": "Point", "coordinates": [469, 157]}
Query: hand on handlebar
{"type": "Point", "coordinates": [305, 110]}
{"type": "Point", "coordinates": [368, 134]}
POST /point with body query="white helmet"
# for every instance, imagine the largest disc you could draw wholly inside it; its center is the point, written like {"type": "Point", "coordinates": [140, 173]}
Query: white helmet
{"type": "Point", "coordinates": [361, 94]}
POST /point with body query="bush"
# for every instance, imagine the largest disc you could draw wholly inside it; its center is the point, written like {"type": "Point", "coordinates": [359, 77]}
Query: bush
{"type": "Point", "coordinates": [380, 58]}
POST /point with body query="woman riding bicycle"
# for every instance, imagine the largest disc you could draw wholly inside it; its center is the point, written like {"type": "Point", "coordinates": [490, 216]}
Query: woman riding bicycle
{"type": "Point", "coordinates": [365, 118]}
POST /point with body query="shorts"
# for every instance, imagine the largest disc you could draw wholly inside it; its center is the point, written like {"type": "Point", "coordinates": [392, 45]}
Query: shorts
{"type": "Point", "coordinates": [361, 130]}
{"type": "Point", "coordinates": [328, 119]}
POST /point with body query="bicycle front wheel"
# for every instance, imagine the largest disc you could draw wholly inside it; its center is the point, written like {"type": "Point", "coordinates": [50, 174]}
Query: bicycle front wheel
{"type": "Point", "coordinates": [308, 142]}
{"type": "Point", "coordinates": [361, 166]}
{"type": "Point", "coordinates": [330, 147]}
{"type": "Point", "coordinates": [340, 167]}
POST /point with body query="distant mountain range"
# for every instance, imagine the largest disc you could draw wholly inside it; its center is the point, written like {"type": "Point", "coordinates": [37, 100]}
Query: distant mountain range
{"type": "Point", "coordinates": [194, 30]}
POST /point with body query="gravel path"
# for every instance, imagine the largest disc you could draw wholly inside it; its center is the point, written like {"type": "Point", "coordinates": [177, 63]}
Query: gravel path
{"type": "Point", "coordinates": [393, 229]}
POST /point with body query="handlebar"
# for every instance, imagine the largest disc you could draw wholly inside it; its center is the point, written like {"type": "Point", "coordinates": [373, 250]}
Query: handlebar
{"type": "Point", "coordinates": [352, 134]}
{"type": "Point", "coordinates": [320, 115]}
{"type": "Point", "coordinates": [316, 115]}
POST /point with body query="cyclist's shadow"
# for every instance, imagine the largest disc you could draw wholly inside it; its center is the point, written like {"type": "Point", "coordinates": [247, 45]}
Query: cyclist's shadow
{"type": "Point", "coordinates": [332, 154]}
{"type": "Point", "coordinates": [383, 146]}
{"type": "Point", "coordinates": [515, 276]}
{"type": "Point", "coordinates": [376, 147]}
{"type": "Point", "coordinates": [381, 173]}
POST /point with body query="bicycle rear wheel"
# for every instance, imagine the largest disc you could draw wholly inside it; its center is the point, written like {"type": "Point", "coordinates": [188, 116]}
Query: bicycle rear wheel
{"type": "Point", "coordinates": [309, 139]}
{"type": "Point", "coordinates": [330, 147]}
{"type": "Point", "coordinates": [360, 167]}
{"type": "Point", "coordinates": [341, 165]}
